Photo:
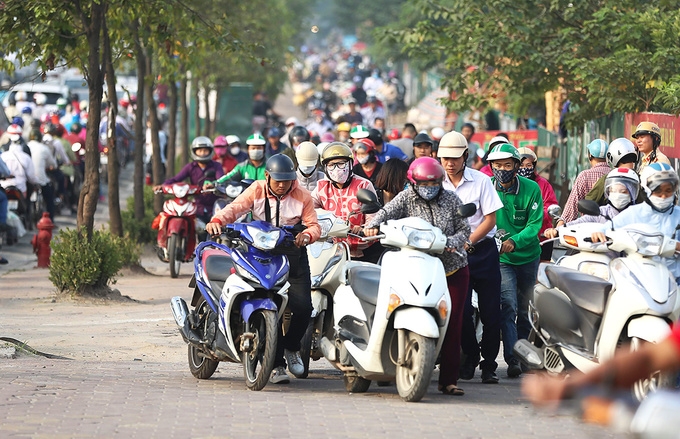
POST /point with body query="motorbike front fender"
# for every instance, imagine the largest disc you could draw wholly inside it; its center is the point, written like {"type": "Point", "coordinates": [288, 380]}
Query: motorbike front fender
{"type": "Point", "coordinates": [416, 320]}
{"type": "Point", "coordinates": [177, 225]}
{"type": "Point", "coordinates": [649, 328]}
{"type": "Point", "coordinates": [248, 307]}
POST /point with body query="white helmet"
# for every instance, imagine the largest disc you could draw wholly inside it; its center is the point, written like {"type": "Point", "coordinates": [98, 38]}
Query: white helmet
{"type": "Point", "coordinates": [232, 139]}
{"type": "Point", "coordinates": [452, 145]}
{"type": "Point", "coordinates": [437, 133]}
{"type": "Point", "coordinates": [618, 149]}
{"type": "Point", "coordinates": [652, 176]}
{"type": "Point", "coordinates": [624, 176]}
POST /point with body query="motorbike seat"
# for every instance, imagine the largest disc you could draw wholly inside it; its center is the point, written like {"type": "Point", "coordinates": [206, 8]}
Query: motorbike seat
{"type": "Point", "coordinates": [586, 291]}
{"type": "Point", "coordinates": [364, 282]}
{"type": "Point", "coordinates": [216, 264]}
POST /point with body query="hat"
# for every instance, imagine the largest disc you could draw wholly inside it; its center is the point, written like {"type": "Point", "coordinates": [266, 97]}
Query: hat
{"type": "Point", "coordinates": [274, 132]}
{"type": "Point", "coordinates": [452, 145]}
{"type": "Point", "coordinates": [307, 154]}
{"type": "Point", "coordinates": [344, 126]}
{"type": "Point", "coordinates": [525, 152]}
{"type": "Point", "coordinates": [422, 138]}
{"type": "Point", "coordinates": [256, 139]}
{"type": "Point", "coordinates": [598, 148]}
{"type": "Point", "coordinates": [350, 100]}
{"type": "Point", "coordinates": [14, 132]}
{"type": "Point", "coordinates": [358, 132]}
{"type": "Point", "coordinates": [291, 121]}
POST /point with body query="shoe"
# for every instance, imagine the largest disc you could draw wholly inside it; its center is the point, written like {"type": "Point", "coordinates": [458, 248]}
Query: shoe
{"type": "Point", "coordinates": [451, 389]}
{"type": "Point", "coordinates": [294, 362]}
{"type": "Point", "coordinates": [514, 370]}
{"type": "Point", "coordinates": [489, 377]}
{"type": "Point", "coordinates": [467, 369]}
{"type": "Point", "coordinates": [3, 261]}
{"type": "Point", "coordinates": [279, 376]}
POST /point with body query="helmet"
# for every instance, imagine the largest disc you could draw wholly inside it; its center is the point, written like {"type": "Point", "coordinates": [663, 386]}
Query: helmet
{"type": "Point", "coordinates": [49, 128]}
{"type": "Point", "coordinates": [359, 132]}
{"type": "Point", "coordinates": [336, 150]}
{"type": "Point", "coordinates": [61, 102]}
{"type": "Point", "coordinates": [618, 149]}
{"type": "Point", "coordinates": [598, 148]}
{"type": "Point", "coordinates": [425, 169]}
{"type": "Point", "coordinates": [298, 135]}
{"type": "Point", "coordinates": [502, 151]}
{"type": "Point", "coordinates": [365, 144]}
{"type": "Point", "coordinates": [231, 139]}
{"type": "Point", "coordinates": [437, 133]}
{"type": "Point", "coordinates": [344, 126]}
{"type": "Point", "coordinates": [274, 132]}
{"type": "Point", "coordinates": [648, 128]}
{"type": "Point", "coordinates": [653, 175]}
{"type": "Point", "coordinates": [280, 167]}
{"type": "Point", "coordinates": [256, 139]}
{"type": "Point", "coordinates": [452, 145]}
{"type": "Point", "coordinates": [21, 96]}
{"type": "Point", "coordinates": [497, 140]}
{"type": "Point", "coordinates": [625, 176]}
{"type": "Point", "coordinates": [422, 138]}
{"type": "Point", "coordinates": [394, 134]}
{"type": "Point", "coordinates": [526, 153]}
{"type": "Point", "coordinates": [18, 120]}
{"type": "Point", "coordinates": [26, 110]}
{"type": "Point", "coordinates": [14, 132]}
{"type": "Point", "coordinates": [307, 154]}
{"type": "Point", "coordinates": [327, 137]}
{"type": "Point", "coordinates": [376, 136]}
{"type": "Point", "coordinates": [40, 99]}
{"type": "Point", "coordinates": [291, 121]}
{"type": "Point", "coordinates": [201, 142]}
{"type": "Point", "coordinates": [220, 141]}
{"type": "Point", "coordinates": [321, 146]}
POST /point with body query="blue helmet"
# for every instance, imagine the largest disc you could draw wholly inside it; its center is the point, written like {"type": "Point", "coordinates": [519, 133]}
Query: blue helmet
{"type": "Point", "coordinates": [598, 148]}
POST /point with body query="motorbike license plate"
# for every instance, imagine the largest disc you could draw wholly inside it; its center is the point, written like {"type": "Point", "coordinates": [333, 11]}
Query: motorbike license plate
{"type": "Point", "coordinates": [13, 204]}
{"type": "Point", "coordinates": [104, 159]}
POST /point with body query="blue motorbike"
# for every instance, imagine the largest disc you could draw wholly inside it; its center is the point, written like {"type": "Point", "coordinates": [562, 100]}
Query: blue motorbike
{"type": "Point", "coordinates": [240, 291]}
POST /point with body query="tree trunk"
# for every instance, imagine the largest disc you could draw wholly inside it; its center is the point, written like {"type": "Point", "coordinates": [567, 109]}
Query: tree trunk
{"type": "Point", "coordinates": [89, 194]}
{"type": "Point", "coordinates": [156, 160]}
{"type": "Point", "coordinates": [172, 128]}
{"type": "Point", "coordinates": [213, 125]}
{"type": "Point", "coordinates": [184, 122]}
{"type": "Point", "coordinates": [197, 116]}
{"type": "Point", "coordinates": [115, 219]}
{"type": "Point", "coordinates": [140, 127]}
{"type": "Point", "coordinates": [206, 111]}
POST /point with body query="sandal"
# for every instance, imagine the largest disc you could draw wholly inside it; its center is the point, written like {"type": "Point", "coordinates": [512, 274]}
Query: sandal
{"type": "Point", "coordinates": [451, 389]}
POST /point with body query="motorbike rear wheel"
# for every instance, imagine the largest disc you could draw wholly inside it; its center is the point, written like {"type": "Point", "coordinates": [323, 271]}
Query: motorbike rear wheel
{"type": "Point", "coordinates": [413, 375]}
{"type": "Point", "coordinates": [354, 383]}
{"type": "Point", "coordinates": [653, 383]}
{"type": "Point", "coordinates": [174, 247]}
{"type": "Point", "coordinates": [200, 366]}
{"type": "Point", "coordinates": [258, 363]}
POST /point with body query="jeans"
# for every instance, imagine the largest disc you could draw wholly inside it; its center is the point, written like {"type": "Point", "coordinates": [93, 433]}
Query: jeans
{"type": "Point", "coordinates": [517, 286]}
{"type": "Point", "coordinates": [3, 206]}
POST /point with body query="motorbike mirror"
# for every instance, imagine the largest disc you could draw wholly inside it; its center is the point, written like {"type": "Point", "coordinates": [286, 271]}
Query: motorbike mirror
{"type": "Point", "coordinates": [247, 182]}
{"type": "Point", "coordinates": [76, 146]}
{"type": "Point", "coordinates": [554, 211]}
{"type": "Point", "coordinates": [467, 210]}
{"type": "Point", "coordinates": [369, 201]}
{"type": "Point", "coordinates": [589, 207]}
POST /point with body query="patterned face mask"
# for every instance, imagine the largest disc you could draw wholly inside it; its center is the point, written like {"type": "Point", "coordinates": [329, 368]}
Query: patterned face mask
{"type": "Point", "coordinates": [428, 192]}
{"type": "Point", "coordinates": [338, 175]}
{"type": "Point", "coordinates": [503, 175]}
{"type": "Point", "coordinates": [526, 172]}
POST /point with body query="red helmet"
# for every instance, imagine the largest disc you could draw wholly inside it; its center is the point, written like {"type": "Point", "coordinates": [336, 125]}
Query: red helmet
{"type": "Point", "coordinates": [365, 144]}
{"type": "Point", "coordinates": [425, 169]}
{"type": "Point", "coordinates": [394, 134]}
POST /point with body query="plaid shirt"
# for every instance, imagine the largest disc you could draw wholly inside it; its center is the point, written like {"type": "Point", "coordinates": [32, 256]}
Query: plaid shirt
{"type": "Point", "coordinates": [583, 184]}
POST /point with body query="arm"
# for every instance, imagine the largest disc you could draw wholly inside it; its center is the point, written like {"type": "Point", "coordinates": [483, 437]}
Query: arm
{"type": "Point", "coordinates": [240, 206]}
{"type": "Point", "coordinates": [183, 174]}
{"type": "Point", "coordinates": [487, 224]}
{"type": "Point", "coordinates": [394, 209]}
{"type": "Point", "coordinates": [310, 220]}
{"type": "Point", "coordinates": [232, 173]}
{"type": "Point", "coordinates": [461, 226]}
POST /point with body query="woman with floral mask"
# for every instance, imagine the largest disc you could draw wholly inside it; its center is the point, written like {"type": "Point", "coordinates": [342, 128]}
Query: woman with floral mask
{"type": "Point", "coordinates": [427, 199]}
{"type": "Point", "coordinates": [338, 194]}
{"type": "Point", "coordinates": [367, 165]}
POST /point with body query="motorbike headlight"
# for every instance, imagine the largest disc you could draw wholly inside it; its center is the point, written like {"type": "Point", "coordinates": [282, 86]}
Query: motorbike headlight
{"type": "Point", "coordinates": [598, 269]}
{"type": "Point", "coordinates": [180, 190]}
{"type": "Point", "coordinates": [647, 244]}
{"type": "Point", "coordinates": [264, 240]}
{"type": "Point", "coordinates": [326, 224]}
{"type": "Point", "coordinates": [233, 191]}
{"type": "Point", "coordinates": [245, 273]}
{"type": "Point", "coordinates": [420, 239]}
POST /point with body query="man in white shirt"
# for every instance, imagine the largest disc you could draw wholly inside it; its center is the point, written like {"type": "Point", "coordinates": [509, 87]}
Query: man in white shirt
{"type": "Point", "coordinates": [472, 186]}
{"type": "Point", "coordinates": [43, 161]}
{"type": "Point", "coordinates": [20, 166]}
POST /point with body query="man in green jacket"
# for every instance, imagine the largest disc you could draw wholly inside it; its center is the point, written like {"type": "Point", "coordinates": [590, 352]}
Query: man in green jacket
{"type": "Point", "coordinates": [520, 218]}
{"type": "Point", "coordinates": [252, 168]}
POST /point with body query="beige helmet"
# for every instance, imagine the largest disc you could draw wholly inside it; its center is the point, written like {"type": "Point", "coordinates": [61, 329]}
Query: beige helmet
{"type": "Point", "coordinates": [452, 145]}
{"type": "Point", "coordinates": [307, 154]}
{"type": "Point", "coordinates": [526, 153]}
{"type": "Point", "coordinates": [336, 150]}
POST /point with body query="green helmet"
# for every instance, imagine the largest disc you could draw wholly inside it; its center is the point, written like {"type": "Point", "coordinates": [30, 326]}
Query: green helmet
{"type": "Point", "coordinates": [256, 139]}
{"type": "Point", "coordinates": [358, 132]}
{"type": "Point", "coordinates": [504, 151]}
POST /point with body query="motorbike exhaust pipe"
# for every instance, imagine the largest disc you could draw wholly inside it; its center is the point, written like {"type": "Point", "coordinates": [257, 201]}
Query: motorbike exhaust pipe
{"type": "Point", "coordinates": [528, 354]}
{"type": "Point", "coordinates": [180, 311]}
{"type": "Point", "coordinates": [328, 349]}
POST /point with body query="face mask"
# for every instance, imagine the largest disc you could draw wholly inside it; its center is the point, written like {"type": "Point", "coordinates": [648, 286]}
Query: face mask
{"type": "Point", "coordinates": [339, 176]}
{"type": "Point", "coordinates": [256, 154]}
{"type": "Point", "coordinates": [619, 200]}
{"type": "Point", "coordinates": [503, 176]}
{"type": "Point", "coordinates": [235, 150]}
{"type": "Point", "coordinates": [428, 192]}
{"type": "Point", "coordinates": [526, 172]}
{"type": "Point", "coordinates": [364, 160]}
{"type": "Point", "coordinates": [307, 170]}
{"type": "Point", "coordinates": [661, 204]}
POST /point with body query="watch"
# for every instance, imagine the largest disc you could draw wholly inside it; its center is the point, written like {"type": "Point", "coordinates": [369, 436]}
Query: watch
{"type": "Point", "coordinates": [470, 248]}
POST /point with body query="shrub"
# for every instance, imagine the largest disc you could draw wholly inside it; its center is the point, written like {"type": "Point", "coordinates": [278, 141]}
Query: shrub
{"type": "Point", "coordinates": [78, 266]}
{"type": "Point", "coordinates": [130, 250]}
{"type": "Point", "coordinates": [140, 231]}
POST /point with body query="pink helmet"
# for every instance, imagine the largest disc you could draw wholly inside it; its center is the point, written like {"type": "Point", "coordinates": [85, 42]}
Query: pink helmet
{"type": "Point", "coordinates": [220, 141]}
{"type": "Point", "coordinates": [425, 169]}
{"type": "Point", "coordinates": [327, 137]}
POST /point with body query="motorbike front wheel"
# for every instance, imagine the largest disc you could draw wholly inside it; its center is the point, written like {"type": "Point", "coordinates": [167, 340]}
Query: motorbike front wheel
{"type": "Point", "coordinates": [258, 363]}
{"type": "Point", "coordinates": [413, 375]}
{"type": "Point", "coordinates": [653, 383]}
{"type": "Point", "coordinates": [174, 247]}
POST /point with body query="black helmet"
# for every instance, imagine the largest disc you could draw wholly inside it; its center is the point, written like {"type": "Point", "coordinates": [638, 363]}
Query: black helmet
{"type": "Point", "coordinates": [281, 168]}
{"type": "Point", "coordinates": [375, 136]}
{"type": "Point", "coordinates": [422, 138]}
{"type": "Point", "coordinates": [298, 135]}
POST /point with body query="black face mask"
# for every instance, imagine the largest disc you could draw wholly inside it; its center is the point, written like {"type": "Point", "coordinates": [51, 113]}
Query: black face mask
{"type": "Point", "coordinates": [504, 176]}
{"type": "Point", "coordinates": [526, 172]}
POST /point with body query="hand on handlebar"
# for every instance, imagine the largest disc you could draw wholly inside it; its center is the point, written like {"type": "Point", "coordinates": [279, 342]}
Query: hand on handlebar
{"type": "Point", "coordinates": [158, 188]}
{"type": "Point", "coordinates": [302, 239]}
{"type": "Point", "coordinates": [213, 228]}
{"type": "Point", "coordinates": [598, 237]}
{"type": "Point", "coordinates": [551, 233]}
{"type": "Point", "coordinates": [357, 230]}
{"type": "Point", "coordinates": [373, 231]}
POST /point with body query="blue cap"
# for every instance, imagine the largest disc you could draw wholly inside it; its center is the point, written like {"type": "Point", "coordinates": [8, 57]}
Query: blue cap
{"type": "Point", "coordinates": [274, 132]}
{"type": "Point", "coordinates": [598, 148]}
{"type": "Point", "coordinates": [18, 120]}
{"type": "Point", "coordinates": [26, 110]}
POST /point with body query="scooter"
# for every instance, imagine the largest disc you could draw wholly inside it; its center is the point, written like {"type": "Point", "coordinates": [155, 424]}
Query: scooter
{"type": "Point", "coordinates": [390, 321]}
{"type": "Point", "coordinates": [177, 226]}
{"type": "Point", "coordinates": [227, 192]}
{"type": "Point", "coordinates": [585, 310]}
{"type": "Point", "coordinates": [240, 292]}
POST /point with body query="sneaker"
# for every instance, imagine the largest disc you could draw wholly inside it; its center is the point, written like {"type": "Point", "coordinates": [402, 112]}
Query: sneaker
{"type": "Point", "coordinates": [489, 377]}
{"type": "Point", "coordinates": [467, 368]}
{"type": "Point", "coordinates": [514, 370]}
{"type": "Point", "coordinates": [294, 361]}
{"type": "Point", "coordinates": [279, 376]}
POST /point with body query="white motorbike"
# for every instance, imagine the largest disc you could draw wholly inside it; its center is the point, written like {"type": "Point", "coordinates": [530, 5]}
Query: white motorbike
{"type": "Point", "coordinates": [390, 320]}
{"type": "Point", "coordinates": [588, 305]}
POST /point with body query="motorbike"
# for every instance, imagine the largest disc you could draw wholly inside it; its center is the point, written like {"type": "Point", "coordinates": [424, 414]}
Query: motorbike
{"type": "Point", "coordinates": [177, 225]}
{"type": "Point", "coordinates": [327, 257]}
{"type": "Point", "coordinates": [390, 322]}
{"type": "Point", "coordinates": [227, 192]}
{"type": "Point", "coordinates": [588, 305]}
{"type": "Point", "coordinates": [240, 291]}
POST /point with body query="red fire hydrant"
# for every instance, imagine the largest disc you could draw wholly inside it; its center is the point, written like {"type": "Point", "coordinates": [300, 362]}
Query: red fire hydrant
{"type": "Point", "coordinates": [41, 241]}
